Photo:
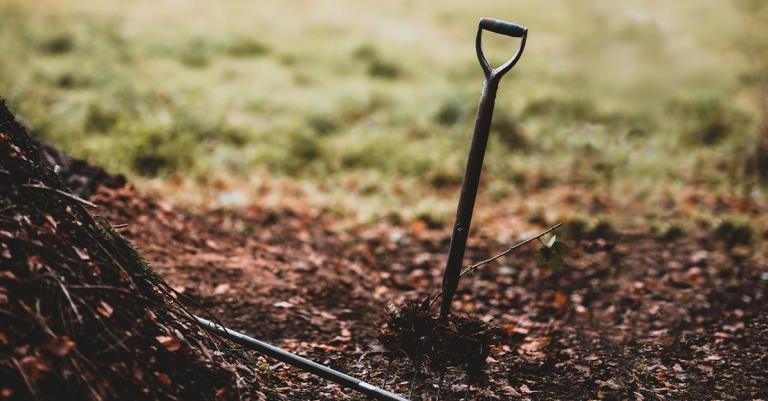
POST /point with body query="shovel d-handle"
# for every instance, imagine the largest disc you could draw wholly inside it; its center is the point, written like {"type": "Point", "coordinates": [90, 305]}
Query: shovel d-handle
{"type": "Point", "coordinates": [476, 154]}
{"type": "Point", "coordinates": [503, 27]}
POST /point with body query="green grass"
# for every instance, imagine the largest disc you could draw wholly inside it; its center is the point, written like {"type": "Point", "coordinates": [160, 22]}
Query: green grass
{"type": "Point", "coordinates": [634, 100]}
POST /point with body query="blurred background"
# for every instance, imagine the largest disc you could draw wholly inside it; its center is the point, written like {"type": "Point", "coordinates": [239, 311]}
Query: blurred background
{"type": "Point", "coordinates": [635, 112]}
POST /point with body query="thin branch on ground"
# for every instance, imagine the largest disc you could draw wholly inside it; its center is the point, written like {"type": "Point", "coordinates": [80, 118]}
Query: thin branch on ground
{"type": "Point", "coordinates": [62, 193]}
{"type": "Point", "coordinates": [23, 375]}
{"type": "Point", "coordinates": [477, 265]}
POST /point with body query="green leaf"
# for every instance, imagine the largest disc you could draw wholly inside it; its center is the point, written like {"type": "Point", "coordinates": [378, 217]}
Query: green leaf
{"type": "Point", "coordinates": [551, 241]}
{"type": "Point", "coordinates": [549, 257]}
{"type": "Point", "coordinates": [555, 262]}
{"type": "Point", "coordinates": [541, 256]}
{"type": "Point", "coordinates": [561, 248]}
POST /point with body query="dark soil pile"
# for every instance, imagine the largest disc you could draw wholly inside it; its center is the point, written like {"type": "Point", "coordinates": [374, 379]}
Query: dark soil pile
{"type": "Point", "coordinates": [82, 315]}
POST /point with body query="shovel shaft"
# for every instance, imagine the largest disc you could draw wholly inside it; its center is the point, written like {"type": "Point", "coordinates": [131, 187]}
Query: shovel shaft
{"type": "Point", "coordinates": [468, 194]}
{"type": "Point", "coordinates": [299, 362]}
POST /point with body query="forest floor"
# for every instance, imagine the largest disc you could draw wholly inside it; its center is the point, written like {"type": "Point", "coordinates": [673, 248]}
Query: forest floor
{"type": "Point", "coordinates": [632, 315]}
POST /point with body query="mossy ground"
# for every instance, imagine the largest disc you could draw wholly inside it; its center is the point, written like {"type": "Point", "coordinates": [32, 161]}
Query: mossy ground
{"type": "Point", "coordinates": [372, 116]}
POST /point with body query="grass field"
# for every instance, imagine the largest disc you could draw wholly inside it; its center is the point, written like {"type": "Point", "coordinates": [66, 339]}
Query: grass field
{"type": "Point", "coordinates": [367, 106]}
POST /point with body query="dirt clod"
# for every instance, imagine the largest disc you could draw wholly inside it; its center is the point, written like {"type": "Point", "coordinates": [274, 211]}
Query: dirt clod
{"type": "Point", "coordinates": [458, 341]}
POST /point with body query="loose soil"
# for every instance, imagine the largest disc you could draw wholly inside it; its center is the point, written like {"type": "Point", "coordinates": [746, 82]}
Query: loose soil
{"type": "Point", "coordinates": [631, 315]}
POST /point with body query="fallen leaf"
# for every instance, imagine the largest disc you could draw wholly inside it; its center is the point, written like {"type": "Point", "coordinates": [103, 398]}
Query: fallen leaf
{"type": "Point", "coordinates": [35, 263]}
{"type": "Point", "coordinates": [8, 275]}
{"type": "Point", "coordinates": [561, 300]}
{"type": "Point", "coordinates": [34, 367]}
{"type": "Point", "coordinates": [138, 373]}
{"type": "Point", "coordinates": [169, 342]}
{"type": "Point", "coordinates": [418, 226]}
{"type": "Point", "coordinates": [59, 346]}
{"type": "Point", "coordinates": [223, 393]}
{"type": "Point", "coordinates": [509, 390]}
{"type": "Point", "coordinates": [51, 221]}
{"type": "Point", "coordinates": [221, 289]}
{"type": "Point", "coordinates": [327, 315]}
{"type": "Point", "coordinates": [82, 253]}
{"type": "Point", "coordinates": [536, 344]}
{"type": "Point", "coordinates": [283, 304]}
{"type": "Point", "coordinates": [706, 369]}
{"type": "Point", "coordinates": [104, 309]}
{"type": "Point", "coordinates": [610, 383]}
{"type": "Point", "coordinates": [380, 291]}
{"type": "Point", "coordinates": [163, 378]}
{"type": "Point", "coordinates": [509, 328]}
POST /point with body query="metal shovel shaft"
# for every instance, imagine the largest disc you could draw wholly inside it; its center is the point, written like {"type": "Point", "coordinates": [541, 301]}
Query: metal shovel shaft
{"type": "Point", "coordinates": [301, 363]}
{"type": "Point", "coordinates": [468, 194]}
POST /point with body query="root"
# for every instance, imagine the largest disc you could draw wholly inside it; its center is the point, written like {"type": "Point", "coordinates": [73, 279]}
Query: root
{"type": "Point", "coordinates": [437, 344]}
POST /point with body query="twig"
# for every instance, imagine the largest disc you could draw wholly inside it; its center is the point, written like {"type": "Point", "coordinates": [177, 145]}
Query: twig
{"type": "Point", "coordinates": [38, 319]}
{"type": "Point", "coordinates": [82, 379]}
{"type": "Point", "coordinates": [26, 379]}
{"type": "Point", "coordinates": [9, 314]}
{"type": "Point", "coordinates": [62, 193]}
{"type": "Point", "coordinates": [71, 302]}
{"type": "Point", "coordinates": [440, 386]}
{"type": "Point", "coordinates": [120, 343]}
{"type": "Point", "coordinates": [413, 382]}
{"type": "Point", "coordinates": [360, 360]}
{"type": "Point", "coordinates": [394, 380]}
{"type": "Point", "coordinates": [475, 266]}
{"type": "Point", "coordinates": [58, 281]}
{"type": "Point", "coordinates": [386, 375]}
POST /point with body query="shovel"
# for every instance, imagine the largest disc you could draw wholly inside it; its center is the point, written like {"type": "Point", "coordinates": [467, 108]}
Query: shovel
{"type": "Point", "coordinates": [476, 153]}
{"type": "Point", "coordinates": [458, 240]}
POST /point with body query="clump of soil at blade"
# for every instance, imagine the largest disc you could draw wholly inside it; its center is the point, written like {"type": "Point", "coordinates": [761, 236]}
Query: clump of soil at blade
{"type": "Point", "coordinates": [82, 315]}
{"type": "Point", "coordinates": [458, 341]}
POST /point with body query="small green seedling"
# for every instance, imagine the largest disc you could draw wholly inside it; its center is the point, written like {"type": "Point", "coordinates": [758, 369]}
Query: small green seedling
{"type": "Point", "coordinates": [552, 253]}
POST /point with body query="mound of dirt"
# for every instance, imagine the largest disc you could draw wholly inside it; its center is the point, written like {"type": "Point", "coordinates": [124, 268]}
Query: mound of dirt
{"type": "Point", "coordinates": [82, 314]}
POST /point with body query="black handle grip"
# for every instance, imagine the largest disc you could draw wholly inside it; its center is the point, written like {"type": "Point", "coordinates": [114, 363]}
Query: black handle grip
{"type": "Point", "coordinates": [503, 27]}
